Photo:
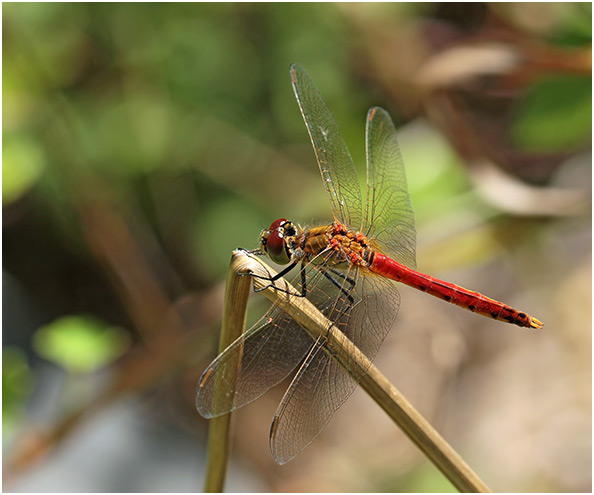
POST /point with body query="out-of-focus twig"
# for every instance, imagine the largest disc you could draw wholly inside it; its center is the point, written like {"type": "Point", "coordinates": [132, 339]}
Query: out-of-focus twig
{"type": "Point", "coordinates": [110, 239]}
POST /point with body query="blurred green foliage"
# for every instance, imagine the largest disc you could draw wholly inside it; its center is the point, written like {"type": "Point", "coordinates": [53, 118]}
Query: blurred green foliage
{"type": "Point", "coordinates": [574, 23]}
{"type": "Point", "coordinates": [22, 166]}
{"type": "Point", "coordinates": [434, 172]}
{"type": "Point", "coordinates": [555, 115]}
{"type": "Point", "coordinates": [17, 385]}
{"type": "Point", "coordinates": [168, 97]}
{"type": "Point", "coordinates": [80, 344]}
{"type": "Point", "coordinates": [424, 479]}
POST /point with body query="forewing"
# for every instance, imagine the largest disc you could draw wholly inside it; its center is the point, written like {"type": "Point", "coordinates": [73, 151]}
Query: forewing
{"type": "Point", "coordinates": [321, 386]}
{"type": "Point", "coordinates": [389, 217]}
{"type": "Point", "coordinates": [336, 165]}
{"type": "Point", "coordinates": [262, 357]}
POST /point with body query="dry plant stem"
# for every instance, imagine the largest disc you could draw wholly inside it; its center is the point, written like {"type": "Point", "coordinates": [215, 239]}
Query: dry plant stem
{"type": "Point", "coordinates": [435, 448]}
{"type": "Point", "coordinates": [234, 310]}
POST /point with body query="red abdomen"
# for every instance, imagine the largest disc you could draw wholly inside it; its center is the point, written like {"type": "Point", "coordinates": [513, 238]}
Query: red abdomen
{"type": "Point", "coordinates": [473, 301]}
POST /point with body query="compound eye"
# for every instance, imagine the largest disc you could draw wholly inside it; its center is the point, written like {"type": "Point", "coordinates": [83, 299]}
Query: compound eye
{"type": "Point", "coordinates": [274, 245]}
{"type": "Point", "coordinates": [277, 223]}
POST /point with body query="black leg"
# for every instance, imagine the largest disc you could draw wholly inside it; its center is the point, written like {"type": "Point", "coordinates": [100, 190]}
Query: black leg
{"type": "Point", "coordinates": [349, 280]}
{"type": "Point", "coordinates": [282, 274]}
{"type": "Point", "coordinates": [278, 275]}
{"type": "Point", "coordinates": [303, 281]}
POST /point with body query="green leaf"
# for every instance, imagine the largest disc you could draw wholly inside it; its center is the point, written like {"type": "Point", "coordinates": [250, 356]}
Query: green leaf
{"type": "Point", "coordinates": [423, 479]}
{"type": "Point", "coordinates": [555, 115]}
{"type": "Point", "coordinates": [23, 163]}
{"type": "Point", "coordinates": [575, 19]}
{"type": "Point", "coordinates": [17, 380]}
{"type": "Point", "coordinates": [80, 343]}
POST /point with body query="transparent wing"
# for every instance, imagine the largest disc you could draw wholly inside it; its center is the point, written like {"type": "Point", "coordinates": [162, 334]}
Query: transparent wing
{"type": "Point", "coordinates": [389, 217]}
{"type": "Point", "coordinates": [321, 386]}
{"type": "Point", "coordinates": [364, 308]}
{"type": "Point", "coordinates": [336, 165]}
{"type": "Point", "coordinates": [262, 357]}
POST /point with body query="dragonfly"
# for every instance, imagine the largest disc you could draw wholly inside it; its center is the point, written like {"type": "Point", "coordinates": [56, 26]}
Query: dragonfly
{"type": "Point", "coordinates": [347, 269]}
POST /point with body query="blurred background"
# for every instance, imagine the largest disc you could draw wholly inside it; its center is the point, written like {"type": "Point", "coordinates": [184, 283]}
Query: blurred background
{"type": "Point", "coordinates": [143, 143]}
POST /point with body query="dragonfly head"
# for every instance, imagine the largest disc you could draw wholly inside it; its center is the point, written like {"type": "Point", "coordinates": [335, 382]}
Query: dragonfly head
{"type": "Point", "coordinates": [273, 241]}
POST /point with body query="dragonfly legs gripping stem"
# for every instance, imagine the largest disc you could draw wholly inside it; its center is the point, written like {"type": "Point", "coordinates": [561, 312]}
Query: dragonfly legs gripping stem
{"type": "Point", "coordinates": [329, 273]}
{"type": "Point", "coordinates": [281, 274]}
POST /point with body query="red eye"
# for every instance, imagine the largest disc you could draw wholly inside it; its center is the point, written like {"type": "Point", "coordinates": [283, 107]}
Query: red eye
{"type": "Point", "coordinates": [275, 245]}
{"type": "Point", "coordinates": [272, 241]}
{"type": "Point", "coordinates": [277, 223]}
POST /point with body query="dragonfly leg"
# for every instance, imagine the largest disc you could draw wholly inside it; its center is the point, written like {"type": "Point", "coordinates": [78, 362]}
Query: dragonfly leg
{"type": "Point", "coordinates": [278, 275]}
{"type": "Point", "coordinates": [281, 274]}
{"type": "Point", "coordinates": [255, 252]}
{"type": "Point", "coordinates": [350, 281]}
